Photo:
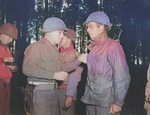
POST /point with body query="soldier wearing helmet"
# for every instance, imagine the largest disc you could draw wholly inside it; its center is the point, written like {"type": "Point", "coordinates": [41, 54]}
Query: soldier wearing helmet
{"type": "Point", "coordinates": [68, 88]}
{"type": "Point", "coordinates": [7, 33]}
{"type": "Point", "coordinates": [108, 73]}
{"type": "Point", "coordinates": [44, 66]}
{"type": "Point", "coordinates": [147, 92]}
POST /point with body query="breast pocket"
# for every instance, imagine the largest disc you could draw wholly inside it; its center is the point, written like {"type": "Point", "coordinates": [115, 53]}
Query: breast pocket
{"type": "Point", "coordinates": [48, 64]}
{"type": "Point", "coordinates": [96, 64]}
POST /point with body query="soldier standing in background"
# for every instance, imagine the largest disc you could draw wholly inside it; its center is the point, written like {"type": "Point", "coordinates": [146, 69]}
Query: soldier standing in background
{"type": "Point", "coordinates": [68, 88]}
{"type": "Point", "coordinates": [7, 33]}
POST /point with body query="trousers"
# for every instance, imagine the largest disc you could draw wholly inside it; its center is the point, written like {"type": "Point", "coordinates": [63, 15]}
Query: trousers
{"type": "Point", "coordinates": [97, 110]}
{"type": "Point", "coordinates": [45, 102]}
{"type": "Point", "coordinates": [4, 98]}
{"type": "Point", "coordinates": [61, 100]}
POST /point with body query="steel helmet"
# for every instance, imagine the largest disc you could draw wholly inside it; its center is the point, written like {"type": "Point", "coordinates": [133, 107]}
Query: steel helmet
{"type": "Point", "coordinates": [71, 34]}
{"type": "Point", "coordinates": [98, 17]}
{"type": "Point", "coordinates": [53, 24]}
{"type": "Point", "coordinates": [9, 30]}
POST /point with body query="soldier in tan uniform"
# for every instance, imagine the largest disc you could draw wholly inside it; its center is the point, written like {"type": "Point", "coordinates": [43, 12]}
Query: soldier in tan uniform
{"type": "Point", "coordinates": [44, 65]}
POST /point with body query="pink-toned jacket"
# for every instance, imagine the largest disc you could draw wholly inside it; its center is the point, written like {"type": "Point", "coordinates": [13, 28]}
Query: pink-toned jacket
{"type": "Point", "coordinates": [5, 73]}
{"type": "Point", "coordinates": [108, 74]}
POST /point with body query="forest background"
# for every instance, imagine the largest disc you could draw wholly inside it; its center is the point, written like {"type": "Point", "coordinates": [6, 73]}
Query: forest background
{"type": "Point", "coordinates": [131, 27]}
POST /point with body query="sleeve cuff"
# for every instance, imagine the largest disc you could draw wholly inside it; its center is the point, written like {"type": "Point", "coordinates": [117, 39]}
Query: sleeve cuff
{"type": "Point", "coordinates": [77, 62]}
{"type": "Point", "coordinates": [1, 60]}
{"type": "Point", "coordinates": [118, 103]}
{"type": "Point", "coordinates": [51, 75]}
{"type": "Point", "coordinates": [69, 96]}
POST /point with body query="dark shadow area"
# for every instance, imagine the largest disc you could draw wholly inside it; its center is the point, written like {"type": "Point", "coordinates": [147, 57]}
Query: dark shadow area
{"type": "Point", "coordinates": [16, 101]}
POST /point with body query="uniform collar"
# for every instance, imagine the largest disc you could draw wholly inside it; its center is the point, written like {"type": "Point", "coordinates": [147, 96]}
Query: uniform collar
{"type": "Point", "coordinates": [67, 49]}
{"type": "Point", "coordinates": [96, 43]}
{"type": "Point", "coordinates": [45, 40]}
{"type": "Point", "coordinates": [3, 45]}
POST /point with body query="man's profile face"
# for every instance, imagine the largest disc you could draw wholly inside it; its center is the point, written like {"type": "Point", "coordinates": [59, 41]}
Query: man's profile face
{"type": "Point", "coordinates": [63, 41]}
{"type": "Point", "coordinates": [57, 36]}
{"type": "Point", "coordinates": [5, 39]}
{"type": "Point", "coordinates": [94, 29]}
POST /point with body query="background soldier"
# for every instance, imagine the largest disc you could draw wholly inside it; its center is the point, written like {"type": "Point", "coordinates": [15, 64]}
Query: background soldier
{"type": "Point", "coordinates": [67, 90]}
{"type": "Point", "coordinates": [7, 33]}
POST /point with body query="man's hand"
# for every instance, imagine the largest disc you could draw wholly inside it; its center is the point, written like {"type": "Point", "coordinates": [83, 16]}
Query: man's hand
{"type": "Point", "coordinates": [61, 75]}
{"type": "Point", "coordinates": [11, 67]}
{"type": "Point", "coordinates": [68, 101]}
{"type": "Point", "coordinates": [147, 92]}
{"type": "Point", "coordinates": [83, 58]}
{"type": "Point", "coordinates": [114, 109]}
{"type": "Point", "coordinates": [8, 59]}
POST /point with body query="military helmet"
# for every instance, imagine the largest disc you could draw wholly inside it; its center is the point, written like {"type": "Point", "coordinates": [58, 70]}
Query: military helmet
{"type": "Point", "coordinates": [98, 17]}
{"type": "Point", "coordinates": [71, 34]}
{"type": "Point", "coordinates": [53, 24]}
{"type": "Point", "coordinates": [9, 30]}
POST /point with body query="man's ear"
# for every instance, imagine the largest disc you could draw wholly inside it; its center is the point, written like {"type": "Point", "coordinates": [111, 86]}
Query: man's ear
{"type": "Point", "coordinates": [104, 27]}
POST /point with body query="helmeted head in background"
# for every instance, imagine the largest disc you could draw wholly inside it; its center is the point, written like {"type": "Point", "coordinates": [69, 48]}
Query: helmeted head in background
{"type": "Point", "coordinates": [53, 24]}
{"type": "Point", "coordinates": [9, 30]}
{"type": "Point", "coordinates": [100, 18]}
{"type": "Point", "coordinates": [68, 39]}
{"type": "Point", "coordinates": [71, 35]}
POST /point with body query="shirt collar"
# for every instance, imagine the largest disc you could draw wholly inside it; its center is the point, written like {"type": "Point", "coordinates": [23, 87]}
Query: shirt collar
{"type": "Point", "coordinates": [3, 45]}
{"type": "Point", "coordinates": [67, 49]}
{"type": "Point", "coordinates": [45, 40]}
{"type": "Point", "coordinates": [96, 43]}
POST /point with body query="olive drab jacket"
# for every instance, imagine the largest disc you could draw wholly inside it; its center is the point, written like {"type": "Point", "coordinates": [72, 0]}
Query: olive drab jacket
{"type": "Point", "coordinates": [42, 60]}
